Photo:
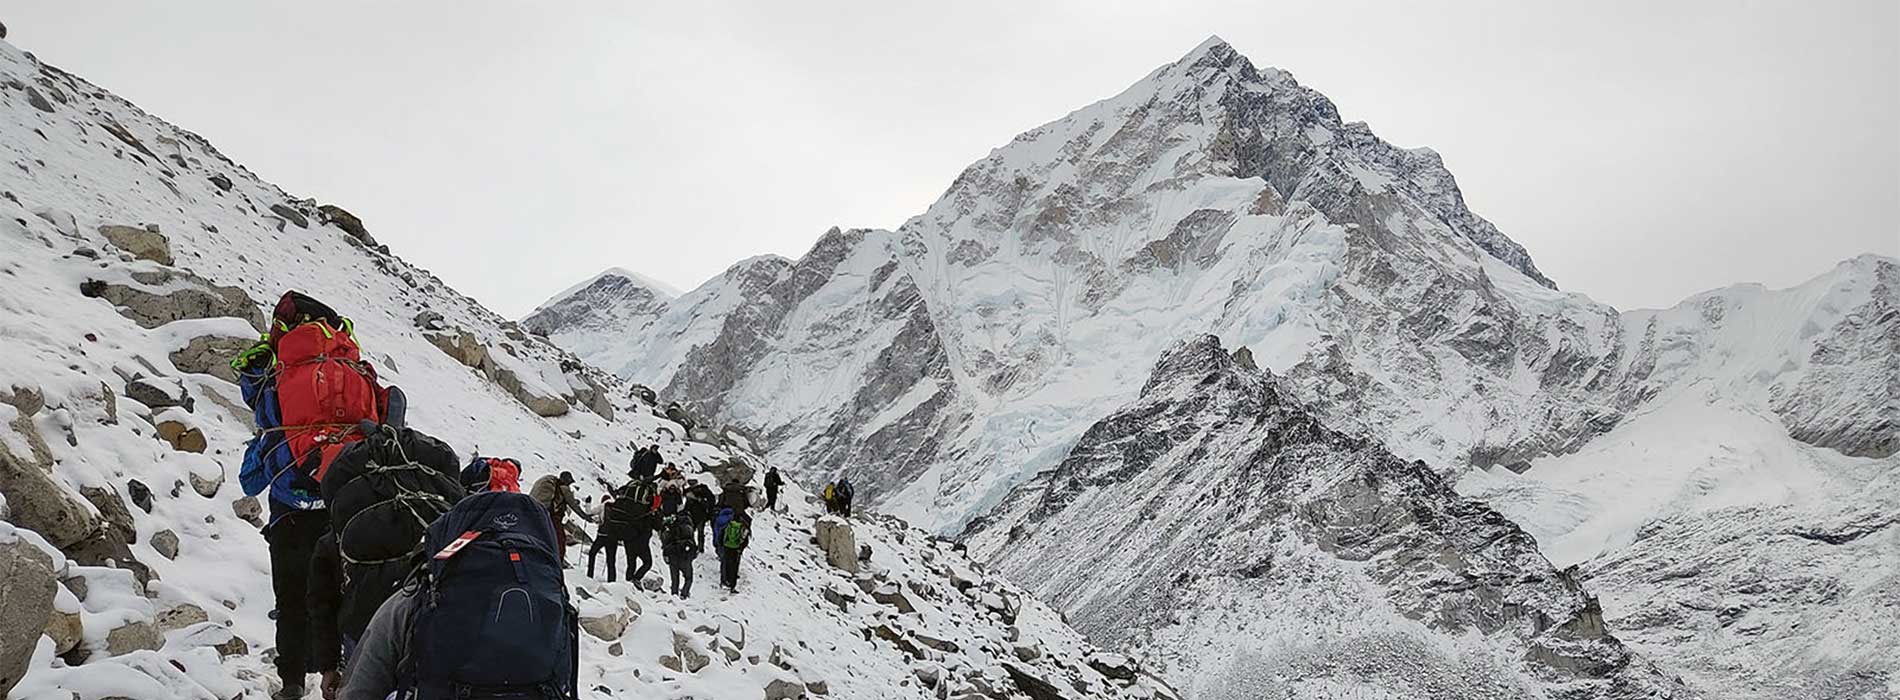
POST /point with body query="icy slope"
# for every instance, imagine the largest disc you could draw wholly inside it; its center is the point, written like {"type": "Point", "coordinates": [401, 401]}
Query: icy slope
{"type": "Point", "coordinates": [1314, 561]}
{"type": "Point", "coordinates": [137, 258]}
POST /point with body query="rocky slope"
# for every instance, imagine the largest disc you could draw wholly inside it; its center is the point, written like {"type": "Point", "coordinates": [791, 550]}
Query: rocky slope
{"type": "Point", "coordinates": [1314, 560]}
{"type": "Point", "coordinates": [137, 260]}
{"type": "Point", "coordinates": [947, 363]}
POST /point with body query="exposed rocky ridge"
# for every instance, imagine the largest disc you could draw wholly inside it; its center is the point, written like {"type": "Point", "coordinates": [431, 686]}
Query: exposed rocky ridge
{"type": "Point", "coordinates": [1278, 507]}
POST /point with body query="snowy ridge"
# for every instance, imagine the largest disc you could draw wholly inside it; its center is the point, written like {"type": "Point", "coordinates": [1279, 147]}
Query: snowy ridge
{"type": "Point", "coordinates": [138, 259]}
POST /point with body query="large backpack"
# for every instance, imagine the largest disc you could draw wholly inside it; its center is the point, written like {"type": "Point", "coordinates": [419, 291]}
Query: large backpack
{"type": "Point", "coordinates": [632, 507]}
{"type": "Point", "coordinates": [324, 388]}
{"type": "Point", "coordinates": [493, 618]}
{"type": "Point", "coordinates": [382, 493]}
{"type": "Point", "coordinates": [731, 529]}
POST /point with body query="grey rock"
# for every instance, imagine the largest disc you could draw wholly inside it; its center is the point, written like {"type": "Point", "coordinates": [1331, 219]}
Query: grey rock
{"type": "Point", "coordinates": [159, 393]}
{"type": "Point", "coordinates": [185, 438]}
{"type": "Point", "coordinates": [66, 629]}
{"type": "Point", "coordinates": [179, 617]}
{"type": "Point", "coordinates": [291, 215]}
{"type": "Point", "coordinates": [26, 604]}
{"type": "Point", "coordinates": [114, 516]}
{"type": "Point", "coordinates": [211, 354]}
{"type": "Point", "coordinates": [220, 181]}
{"type": "Point", "coordinates": [207, 484]}
{"type": "Point", "coordinates": [607, 627]}
{"type": "Point", "coordinates": [135, 635]}
{"type": "Point", "coordinates": [429, 321]}
{"type": "Point", "coordinates": [248, 510]}
{"type": "Point", "coordinates": [839, 543]}
{"type": "Point", "coordinates": [782, 689]}
{"type": "Point", "coordinates": [140, 494]}
{"type": "Point", "coordinates": [195, 299]}
{"type": "Point", "coordinates": [37, 502]}
{"type": "Point", "coordinates": [141, 243]}
{"type": "Point", "coordinates": [337, 216]}
{"type": "Point", "coordinates": [166, 542]}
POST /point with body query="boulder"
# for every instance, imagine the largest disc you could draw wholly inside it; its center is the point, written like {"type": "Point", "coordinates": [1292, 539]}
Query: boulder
{"type": "Point", "coordinates": [185, 438]}
{"type": "Point", "coordinates": [337, 216]}
{"type": "Point", "coordinates": [208, 478]}
{"type": "Point", "coordinates": [839, 543]}
{"type": "Point", "coordinates": [1115, 666]}
{"type": "Point", "coordinates": [29, 400]}
{"type": "Point", "coordinates": [144, 243]}
{"type": "Point", "coordinates": [37, 502]}
{"type": "Point", "coordinates": [430, 321]}
{"type": "Point", "coordinates": [108, 548]}
{"type": "Point", "coordinates": [607, 627]}
{"type": "Point", "coordinates": [211, 354]}
{"type": "Point", "coordinates": [1032, 685]}
{"type": "Point", "coordinates": [782, 689]}
{"type": "Point", "coordinates": [199, 299]}
{"type": "Point", "coordinates": [112, 513]}
{"type": "Point", "coordinates": [248, 510]}
{"type": "Point", "coordinates": [179, 617]}
{"type": "Point", "coordinates": [166, 542]}
{"type": "Point", "coordinates": [26, 605]}
{"type": "Point", "coordinates": [1026, 653]}
{"type": "Point", "coordinates": [457, 343]}
{"type": "Point", "coordinates": [689, 653]}
{"type": "Point", "coordinates": [220, 181]}
{"type": "Point", "coordinates": [135, 635]}
{"type": "Point", "coordinates": [944, 645]}
{"type": "Point", "coordinates": [140, 493]}
{"type": "Point", "coordinates": [291, 215]}
{"type": "Point", "coordinates": [892, 594]}
{"type": "Point", "coordinates": [159, 393]}
{"type": "Point", "coordinates": [644, 394]}
{"type": "Point", "coordinates": [65, 629]}
{"type": "Point", "coordinates": [839, 598]}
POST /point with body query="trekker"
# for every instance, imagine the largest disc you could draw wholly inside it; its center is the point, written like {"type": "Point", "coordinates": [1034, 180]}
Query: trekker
{"type": "Point", "coordinates": [677, 544]}
{"type": "Point", "coordinates": [672, 490]}
{"type": "Point", "coordinates": [645, 461]}
{"type": "Point", "coordinates": [606, 537]}
{"type": "Point", "coordinates": [699, 506]}
{"type": "Point", "coordinates": [498, 623]}
{"type": "Point", "coordinates": [303, 424]}
{"type": "Point", "coordinates": [733, 531]}
{"type": "Point", "coordinates": [634, 517]}
{"type": "Point", "coordinates": [843, 494]}
{"type": "Point", "coordinates": [492, 474]}
{"type": "Point", "coordinates": [383, 492]}
{"type": "Point", "coordinates": [772, 484]}
{"type": "Point", "coordinates": [556, 495]}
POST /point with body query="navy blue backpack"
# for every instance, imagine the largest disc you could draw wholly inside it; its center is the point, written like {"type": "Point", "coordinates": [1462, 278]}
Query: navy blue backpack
{"type": "Point", "coordinates": [493, 619]}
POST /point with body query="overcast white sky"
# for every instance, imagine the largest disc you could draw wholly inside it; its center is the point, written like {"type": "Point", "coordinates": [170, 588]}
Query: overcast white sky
{"type": "Point", "coordinates": [1642, 151]}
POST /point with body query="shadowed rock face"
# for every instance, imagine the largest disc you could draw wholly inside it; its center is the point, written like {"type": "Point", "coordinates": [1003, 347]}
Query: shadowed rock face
{"type": "Point", "coordinates": [1214, 480]}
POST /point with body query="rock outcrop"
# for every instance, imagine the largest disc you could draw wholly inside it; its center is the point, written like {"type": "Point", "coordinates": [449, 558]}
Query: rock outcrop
{"type": "Point", "coordinates": [26, 604]}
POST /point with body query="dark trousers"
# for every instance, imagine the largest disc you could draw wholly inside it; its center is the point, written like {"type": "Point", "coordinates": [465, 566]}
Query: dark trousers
{"type": "Point", "coordinates": [293, 539]}
{"type": "Point", "coordinates": [729, 567]}
{"type": "Point", "coordinates": [682, 570]}
{"type": "Point", "coordinates": [612, 545]}
{"type": "Point", "coordinates": [771, 499]}
{"type": "Point", "coordinates": [639, 554]}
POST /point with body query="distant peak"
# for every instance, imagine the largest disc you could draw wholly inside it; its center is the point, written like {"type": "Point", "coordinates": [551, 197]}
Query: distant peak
{"type": "Point", "coordinates": [1214, 53]}
{"type": "Point", "coordinates": [1212, 42]}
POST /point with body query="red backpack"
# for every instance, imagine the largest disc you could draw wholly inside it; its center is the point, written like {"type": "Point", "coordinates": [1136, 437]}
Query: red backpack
{"type": "Point", "coordinates": [324, 389]}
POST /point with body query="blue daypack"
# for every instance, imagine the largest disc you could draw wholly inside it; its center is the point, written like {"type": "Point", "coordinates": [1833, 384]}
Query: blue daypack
{"type": "Point", "coordinates": [493, 619]}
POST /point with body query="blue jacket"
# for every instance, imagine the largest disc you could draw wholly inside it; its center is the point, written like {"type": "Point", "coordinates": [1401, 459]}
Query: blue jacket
{"type": "Point", "coordinates": [267, 460]}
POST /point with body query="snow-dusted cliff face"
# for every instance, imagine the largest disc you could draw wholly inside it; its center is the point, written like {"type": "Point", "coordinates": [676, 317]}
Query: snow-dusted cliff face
{"type": "Point", "coordinates": [945, 364]}
{"type": "Point", "coordinates": [1226, 533]}
{"type": "Point", "coordinates": [135, 260]}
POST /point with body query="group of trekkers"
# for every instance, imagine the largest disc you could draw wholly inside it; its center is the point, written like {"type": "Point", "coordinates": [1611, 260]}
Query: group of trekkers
{"type": "Point", "coordinates": [399, 570]}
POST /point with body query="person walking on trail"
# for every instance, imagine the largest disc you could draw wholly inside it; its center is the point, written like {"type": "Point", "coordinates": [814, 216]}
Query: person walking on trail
{"type": "Point", "coordinates": [843, 494]}
{"type": "Point", "coordinates": [733, 531]}
{"type": "Point", "coordinates": [772, 484]}
{"type": "Point", "coordinates": [556, 495]}
{"type": "Point", "coordinates": [606, 537]}
{"type": "Point", "coordinates": [673, 487]}
{"type": "Point", "coordinates": [302, 422]}
{"type": "Point", "coordinates": [497, 622]}
{"type": "Point", "coordinates": [679, 546]}
{"type": "Point", "coordinates": [645, 461]}
{"type": "Point", "coordinates": [699, 509]}
{"type": "Point", "coordinates": [633, 516]}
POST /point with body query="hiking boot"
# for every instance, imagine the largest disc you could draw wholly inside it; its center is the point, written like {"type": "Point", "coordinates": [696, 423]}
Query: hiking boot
{"type": "Point", "coordinates": [290, 691]}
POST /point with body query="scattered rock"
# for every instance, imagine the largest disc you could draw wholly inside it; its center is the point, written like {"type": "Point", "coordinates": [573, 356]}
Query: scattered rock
{"type": "Point", "coordinates": [818, 687]}
{"type": "Point", "coordinates": [60, 219]}
{"type": "Point", "coordinates": [142, 243]}
{"type": "Point", "coordinates": [235, 646]}
{"type": "Point", "coordinates": [26, 604]}
{"type": "Point", "coordinates": [36, 502]}
{"type": "Point", "coordinates": [290, 215]}
{"type": "Point", "coordinates": [33, 97]}
{"type": "Point", "coordinates": [185, 438]}
{"type": "Point", "coordinates": [944, 645]}
{"type": "Point", "coordinates": [333, 214]}
{"type": "Point", "coordinates": [607, 627]}
{"type": "Point", "coordinates": [1026, 652]}
{"type": "Point", "coordinates": [839, 543]}
{"type": "Point", "coordinates": [892, 594]}
{"type": "Point", "coordinates": [159, 393]}
{"type": "Point", "coordinates": [211, 354]}
{"type": "Point", "coordinates": [839, 598]}
{"type": "Point", "coordinates": [1115, 666]}
{"type": "Point", "coordinates": [220, 181]}
{"type": "Point", "coordinates": [248, 510]}
{"type": "Point", "coordinates": [615, 649]}
{"type": "Point", "coordinates": [688, 653]}
{"type": "Point", "coordinates": [66, 631]}
{"type": "Point", "coordinates": [116, 519]}
{"type": "Point", "coordinates": [28, 400]}
{"type": "Point", "coordinates": [641, 392]}
{"type": "Point", "coordinates": [141, 495]}
{"type": "Point", "coordinates": [207, 485]}
{"type": "Point", "coordinates": [199, 299]}
{"type": "Point", "coordinates": [1033, 686]}
{"type": "Point", "coordinates": [136, 635]}
{"type": "Point", "coordinates": [782, 689]}
{"type": "Point", "coordinates": [166, 542]}
{"type": "Point", "coordinates": [432, 321]}
{"type": "Point", "coordinates": [179, 617]}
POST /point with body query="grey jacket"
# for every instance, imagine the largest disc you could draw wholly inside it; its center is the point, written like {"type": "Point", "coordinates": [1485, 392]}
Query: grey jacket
{"type": "Point", "coordinates": [371, 671]}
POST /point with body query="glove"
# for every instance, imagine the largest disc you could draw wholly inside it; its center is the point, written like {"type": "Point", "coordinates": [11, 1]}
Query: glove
{"type": "Point", "coordinates": [258, 354]}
